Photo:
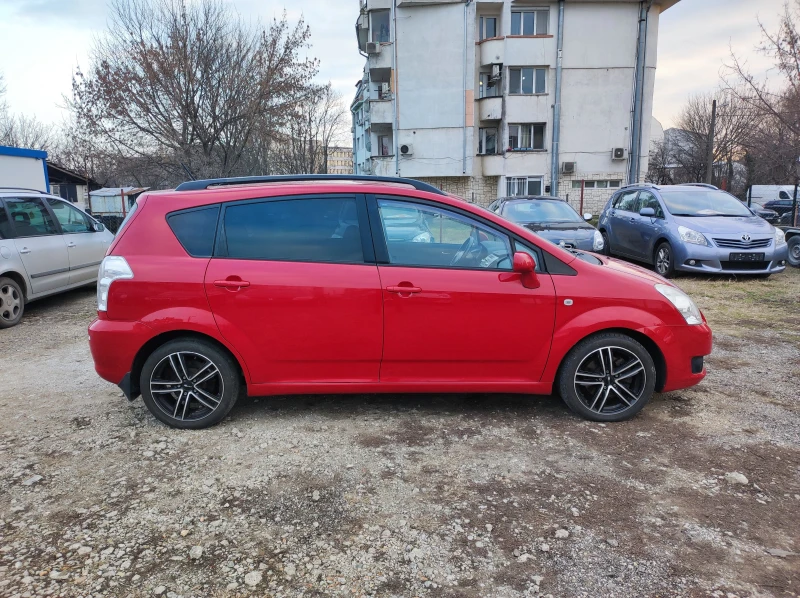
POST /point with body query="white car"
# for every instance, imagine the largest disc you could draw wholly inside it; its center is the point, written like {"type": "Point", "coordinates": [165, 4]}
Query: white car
{"type": "Point", "coordinates": [47, 246]}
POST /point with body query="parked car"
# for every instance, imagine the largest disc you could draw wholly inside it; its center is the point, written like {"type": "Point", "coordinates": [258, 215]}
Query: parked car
{"type": "Point", "coordinates": [765, 194]}
{"type": "Point", "coordinates": [786, 219]}
{"type": "Point", "coordinates": [219, 286]}
{"type": "Point", "coordinates": [690, 228]}
{"type": "Point", "coordinates": [770, 216]}
{"type": "Point", "coordinates": [47, 246]}
{"type": "Point", "coordinates": [781, 206]}
{"type": "Point", "coordinates": [551, 218]}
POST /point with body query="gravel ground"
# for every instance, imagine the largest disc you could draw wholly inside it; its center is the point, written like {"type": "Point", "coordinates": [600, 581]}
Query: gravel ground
{"type": "Point", "coordinates": [401, 496]}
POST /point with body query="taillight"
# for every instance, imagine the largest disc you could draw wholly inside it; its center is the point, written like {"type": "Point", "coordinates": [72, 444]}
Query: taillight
{"type": "Point", "coordinates": [114, 267]}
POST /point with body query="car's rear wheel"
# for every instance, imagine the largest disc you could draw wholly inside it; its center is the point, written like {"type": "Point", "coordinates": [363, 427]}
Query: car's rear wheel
{"type": "Point", "coordinates": [189, 383]}
{"type": "Point", "coordinates": [794, 251]}
{"type": "Point", "coordinates": [12, 303]}
{"type": "Point", "coordinates": [664, 260]}
{"type": "Point", "coordinates": [608, 377]}
{"type": "Point", "coordinates": [606, 244]}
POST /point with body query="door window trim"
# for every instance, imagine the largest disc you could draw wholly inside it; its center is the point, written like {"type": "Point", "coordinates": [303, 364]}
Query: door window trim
{"type": "Point", "coordinates": [220, 250]}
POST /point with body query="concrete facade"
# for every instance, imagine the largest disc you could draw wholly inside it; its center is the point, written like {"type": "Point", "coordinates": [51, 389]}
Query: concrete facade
{"type": "Point", "coordinates": [463, 93]}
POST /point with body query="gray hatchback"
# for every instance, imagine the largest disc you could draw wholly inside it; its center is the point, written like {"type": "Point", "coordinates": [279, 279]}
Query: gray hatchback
{"type": "Point", "coordinates": [694, 228]}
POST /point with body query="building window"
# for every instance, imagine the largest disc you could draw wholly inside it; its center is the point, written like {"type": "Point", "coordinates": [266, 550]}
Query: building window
{"type": "Point", "coordinates": [488, 27]}
{"type": "Point", "coordinates": [380, 26]}
{"type": "Point", "coordinates": [487, 87]}
{"type": "Point", "coordinates": [384, 145]}
{"type": "Point", "coordinates": [530, 22]}
{"type": "Point", "coordinates": [613, 184]}
{"type": "Point", "coordinates": [526, 137]}
{"type": "Point", "coordinates": [523, 185]}
{"type": "Point", "coordinates": [527, 80]}
{"type": "Point", "coordinates": [487, 141]}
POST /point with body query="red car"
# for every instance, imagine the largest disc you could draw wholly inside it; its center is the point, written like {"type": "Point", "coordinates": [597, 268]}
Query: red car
{"type": "Point", "coordinates": [326, 284]}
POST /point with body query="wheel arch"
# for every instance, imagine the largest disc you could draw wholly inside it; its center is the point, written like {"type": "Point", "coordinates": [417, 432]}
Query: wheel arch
{"type": "Point", "coordinates": [649, 344]}
{"type": "Point", "coordinates": [161, 339]}
{"type": "Point", "coordinates": [662, 238]}
{"type": "Point", "coordinates": [19, 279]}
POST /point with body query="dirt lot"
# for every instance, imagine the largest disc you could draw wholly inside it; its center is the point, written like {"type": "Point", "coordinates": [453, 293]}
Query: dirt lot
{"type": "Point", "coordinates": [407, 495]}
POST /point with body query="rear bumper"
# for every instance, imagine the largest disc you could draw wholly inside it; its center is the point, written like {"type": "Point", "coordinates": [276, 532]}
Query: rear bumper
{"type": "Point", "coordinates": [715, 260]}
{"type": "Point", "coordinates": [114, 346]}
{"type": "Point", "coordinates": [682, 346]}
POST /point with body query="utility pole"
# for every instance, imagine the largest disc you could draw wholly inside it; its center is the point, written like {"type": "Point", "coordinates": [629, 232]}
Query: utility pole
{"type": "Point", "coordinates": [710, 157]}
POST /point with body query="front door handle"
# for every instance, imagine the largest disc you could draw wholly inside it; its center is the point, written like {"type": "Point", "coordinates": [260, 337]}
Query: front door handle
{"type": "Point", "coordinates": [231, 284]}
{"type": "Point", "coordinates": [71, 244]}
{"type": "Point", "coordinates": [24, 250]}
{"type": "Point", "coordinates": [400, 289]}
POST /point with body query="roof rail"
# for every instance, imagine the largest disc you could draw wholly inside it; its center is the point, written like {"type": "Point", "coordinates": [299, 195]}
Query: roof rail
{"type": "Point", "coordinates": [23, 189]}
{"type": "Point", "coordinates": [650, 185]}
{"type": "Point", "coordinates": [290, 178]}
{"type": "Point", "coordinates": [706, 185]}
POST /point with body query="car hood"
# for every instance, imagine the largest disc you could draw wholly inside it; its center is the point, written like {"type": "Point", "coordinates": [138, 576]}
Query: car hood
{"type": "Point", "coordinates": [721, 225]}
{"type": "Point", "coordinates": [634, 270]}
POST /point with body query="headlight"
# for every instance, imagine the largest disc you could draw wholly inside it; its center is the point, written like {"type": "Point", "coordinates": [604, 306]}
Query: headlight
{"type": "Point", "coordinates": [682, 303]}
{"type": "Point", "coordinates": [598, 243]}
{"type": "Point", "coordinates": [780, 237]}
{"type": "Point", "coordinates": [691, 236]}
{"type": "Point", "coordinates": [114, 267]}
{"type": "Point", "coordinates": [423, 238]}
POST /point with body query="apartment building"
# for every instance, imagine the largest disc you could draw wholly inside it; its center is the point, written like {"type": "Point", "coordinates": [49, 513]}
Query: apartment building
{"type": "Point", "coordinates": [507, 97]}
{"type": "Point", "coordinates": [340, 160]}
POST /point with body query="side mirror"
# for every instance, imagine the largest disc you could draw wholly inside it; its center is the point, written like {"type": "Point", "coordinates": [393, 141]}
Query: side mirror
{"type": "Point", "coordinates": [587, 216]}
{"type": "Point", "coordinates": [647, 212]}
{"type": "Point", "coordinates": [526, 268]}
{"type": "Point", "coordinates": [99, 227]}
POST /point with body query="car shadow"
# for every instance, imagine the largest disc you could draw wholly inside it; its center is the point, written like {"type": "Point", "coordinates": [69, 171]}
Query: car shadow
{"type": "Point", "coordinates": [59, 301]}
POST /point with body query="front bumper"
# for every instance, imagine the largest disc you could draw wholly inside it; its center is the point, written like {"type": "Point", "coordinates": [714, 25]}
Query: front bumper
{"type": "Point", "coordinates": [683, 346]}
{"type": "Point", "coordinates": [715, 260]}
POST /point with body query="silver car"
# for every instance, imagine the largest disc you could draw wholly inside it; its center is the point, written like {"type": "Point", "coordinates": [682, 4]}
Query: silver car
{"type": "Point", "coordinates": [47, 246]}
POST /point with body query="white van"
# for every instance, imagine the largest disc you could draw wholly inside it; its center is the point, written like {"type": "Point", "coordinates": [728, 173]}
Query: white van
{"type": "Point", "coordinates": [764, 193]}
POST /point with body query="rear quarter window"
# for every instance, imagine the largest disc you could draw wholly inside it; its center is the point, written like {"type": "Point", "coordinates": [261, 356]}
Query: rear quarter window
{"type": "Point", "coordinates": [195, 229]}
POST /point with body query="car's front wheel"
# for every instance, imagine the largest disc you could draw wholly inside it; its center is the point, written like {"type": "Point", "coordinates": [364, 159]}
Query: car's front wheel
{"type": "Point", "coordinates": [664, 260]}
{"type": "Point", "coordinates": [12, 303]}
{"type": "Point", "coordinates": [189, 383]}
{"type": "Point", "coordinates": [608, 377]}
{"type": "Point", "coordinates": [794, 251]}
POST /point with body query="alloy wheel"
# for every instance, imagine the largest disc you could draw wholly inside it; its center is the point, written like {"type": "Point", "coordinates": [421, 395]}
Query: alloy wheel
{"type": "Point", "coordinates": [187, 386]}
{"type": "Point", "coordinates": [610, 380]}
{"type": "Point", "coordinates": [663, 259]}
{"type": "Point", "coordinates": [10, 303]}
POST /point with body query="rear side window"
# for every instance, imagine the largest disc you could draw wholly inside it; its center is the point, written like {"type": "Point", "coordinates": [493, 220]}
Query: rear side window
{"type": "Point", "coordinates": [195, 229]}
{"type": "Point", "coordinates": [5, 225]}
{"type": "Point", "coordinates": [300, 230]}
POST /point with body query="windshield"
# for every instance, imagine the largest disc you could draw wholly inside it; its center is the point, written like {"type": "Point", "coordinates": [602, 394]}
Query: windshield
{"type": "Point", "coordinates": [538, 210]}
{"type": "Point", "coordinates": [703, 202]}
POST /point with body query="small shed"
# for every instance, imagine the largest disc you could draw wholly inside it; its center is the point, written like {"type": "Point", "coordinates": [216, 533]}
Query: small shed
{"type": "Point", "coordinates": [23, 168]}
{"type": "Point", "coordinates": [71, 185]}
{"type": "Point", "coordinates": [114, 201]}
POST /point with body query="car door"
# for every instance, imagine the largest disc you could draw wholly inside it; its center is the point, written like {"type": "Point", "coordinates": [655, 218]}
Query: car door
{"type": "Point", "coordinates": [453, 310]}
{"type": "Point", "coordinates": [644, 229]}
{"type": "Point", "coordinates": [293, 290]}
{"type": "Point", "coordinates": [39, 243]}
{"type": "Point", "coordinates": [85, 247]}
{"type": "Point", "coordinates": [622, 218]}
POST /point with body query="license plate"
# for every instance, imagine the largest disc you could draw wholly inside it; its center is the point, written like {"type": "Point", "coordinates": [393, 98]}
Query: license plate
{"type": "Point", "coordinates": [746, 257]}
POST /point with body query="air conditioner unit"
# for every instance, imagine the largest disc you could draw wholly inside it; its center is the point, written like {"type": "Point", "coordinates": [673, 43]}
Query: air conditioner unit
{"type": "Point", "coordinates": [497, 72]}
{"type": "Point", "coordinates": [386, 90]}
{"type": "Point", "coordinates": [619, 153]}
{"type": "Point", "coordinates": [406, 149]}
{"type": "Point", "coordinates": [373, 48]}
{"type": "Point", "coordinates": [568, 167]}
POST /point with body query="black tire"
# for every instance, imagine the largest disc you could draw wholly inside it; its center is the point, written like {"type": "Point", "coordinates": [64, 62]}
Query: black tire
{"type": "Point", "coordinates": [206, 399]}
{"type": "Point", "coordinates": [612, 403]}
{"type": "Point", "coordinates": [12, 302]}
{"type": "Point", "coordinates": [664, 260]}
{"type": "Point", "coordinates": [606, 244]}
{"type": "Point", "coordinates": [794, 251]}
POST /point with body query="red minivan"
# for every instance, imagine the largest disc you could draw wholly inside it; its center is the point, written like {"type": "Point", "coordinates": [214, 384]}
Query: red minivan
{"type": "Point", "coordinates": [349, 284]}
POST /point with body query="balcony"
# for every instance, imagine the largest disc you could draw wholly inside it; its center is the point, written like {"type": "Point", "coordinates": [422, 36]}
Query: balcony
{"type": "Point", "coordinates": [492, 51]}
{"type": "Point", "coordinates": [383, 166]}
{"type": "Point", "coordinates": [378, 4]}
{"type": "Point", "coordinates": [492, 165]}
{"type": "Point", "coordinates": [380, 112]}
{"type": "Point", "coordinates": [490, 108]}
{"type": "Point", "coordinates": [380, 63]}
{"type": "Point", "coordinates": [411, 3]}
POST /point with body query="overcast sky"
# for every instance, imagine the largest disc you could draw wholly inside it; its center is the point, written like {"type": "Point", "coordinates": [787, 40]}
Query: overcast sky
{"type": "Point", "coordinates": [42, 41]}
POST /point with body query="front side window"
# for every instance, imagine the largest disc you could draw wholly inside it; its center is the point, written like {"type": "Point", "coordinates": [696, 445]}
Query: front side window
{"type": "Point", "coordinates": [527, 80]}
{"type": "Point", "coordinates": [648, 200]}
{"type": "Point", "coordinates": [299, 230]}
{"type": "Point", "coordinates": [626, 201]}
{"type": "Point", "coordinates": [783, 195]}
{"type": "Point", "coordinates": [488, 27]}
{"type": "Point", "coordinates": [380, 26]}
{"type": "Point", "coordinates": [526, 137]}
{"type": "Point", "coordinates": [31, 218]}
{"type": "Point", "coordinates": [520, 186]}
{"type": "Point", "coordinates": [487, 141]}
{"type": "Point", "coordinates": [530, 22]}
{"type": "Point", "coordinates": [418, 235]}
{"type": "Point", "coordinates": [72, 220]}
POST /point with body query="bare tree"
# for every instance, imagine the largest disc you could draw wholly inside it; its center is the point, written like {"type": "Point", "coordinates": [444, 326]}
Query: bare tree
{"type": "Point", "coordinates": [660, 165]}
{"type": "Point", "coordinates": [184, 86]}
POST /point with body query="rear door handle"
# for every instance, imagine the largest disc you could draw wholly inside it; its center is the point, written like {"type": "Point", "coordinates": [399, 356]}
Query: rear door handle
{"type": "Point", "coordinates": [71, 244]}
{"type": "Point", "coordinates": [24, 250]}
{"type": "Point", "coordinates": [404, 289]}
{"type": "Point", "coordinates": [231, 284]}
